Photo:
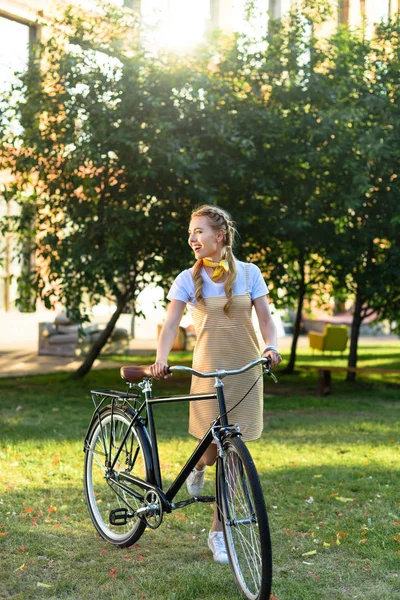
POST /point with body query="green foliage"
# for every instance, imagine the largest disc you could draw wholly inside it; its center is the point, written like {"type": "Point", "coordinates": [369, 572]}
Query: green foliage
{"type": "Point", "coordinates": [366, 153]}
{"type": "Point", "coordinates": [96, 171]}
{"type": "Point", "coordinates": [320, 188]}
{"type": "Point", "coordinates": [297, 136]}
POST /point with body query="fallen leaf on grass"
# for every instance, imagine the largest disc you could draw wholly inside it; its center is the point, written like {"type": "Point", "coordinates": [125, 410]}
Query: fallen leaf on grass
{"type": "Point", "coordinates": [342, 499]}
{"type": "Point", "coordinates": [22, 548]}
{"type": "Point", "coordinates": [21, 568]}
{"type": "Point", "coordinates": [327, 545]}
{"type": "Point", "coordinates": [43, 585]}
{"type": "Point", "coordinates": [28, 510]}
{"type": "Point", "coordinates": [3, 533]}
{"type": "Point", "coordinates": [52, 509]}
{"type": "Point", "coordinates": [272, 597]}
{"type": "Point", "coordinates": [112, 572]}
{"type": "Point", "coordinates": [289, 532]}
{"type": "Point", "coordinates": [339, 535]}
{"type": "Point", "coordinates": [311, 553]}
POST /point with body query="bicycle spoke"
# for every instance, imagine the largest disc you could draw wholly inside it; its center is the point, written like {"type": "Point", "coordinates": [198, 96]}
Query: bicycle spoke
{"type": "Point", "coordinates": [102, 493]}
{"type": "Point", "coordinates": [246, 536]}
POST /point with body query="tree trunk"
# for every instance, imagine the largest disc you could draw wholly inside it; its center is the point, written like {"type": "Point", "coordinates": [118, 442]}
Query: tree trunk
{"type": "Point", "coordinates": [296, 330]}
{"type": "Point", "coordinates": [355, 332]}
{"type": "Point", "coordinates": [133, 309]}
{"type": "Point", "coordinates": [98, 345]}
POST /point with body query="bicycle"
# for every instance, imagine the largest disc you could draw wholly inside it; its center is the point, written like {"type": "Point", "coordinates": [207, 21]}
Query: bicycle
{"type": "Point", "coordinates": [122, 477]}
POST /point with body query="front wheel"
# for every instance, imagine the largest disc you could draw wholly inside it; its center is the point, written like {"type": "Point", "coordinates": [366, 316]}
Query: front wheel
{"type": "Point", "coordinates": [112, 431]}
{"type": "Point", "coordinates": [244, 520]}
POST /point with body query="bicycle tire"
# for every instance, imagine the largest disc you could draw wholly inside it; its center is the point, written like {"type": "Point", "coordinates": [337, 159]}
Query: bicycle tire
{"type": "Point", "coordinates": [101, 496]}
{"type": "Point", "coordinates": [244, 520]}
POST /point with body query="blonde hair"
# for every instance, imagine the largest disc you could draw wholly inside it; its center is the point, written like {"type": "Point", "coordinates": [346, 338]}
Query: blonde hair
{"type": "Point", "coordinates": [219, 220]}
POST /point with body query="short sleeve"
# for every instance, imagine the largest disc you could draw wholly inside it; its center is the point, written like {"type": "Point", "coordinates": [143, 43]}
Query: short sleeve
{"type": "Point", "coordinates": [181, 289]}
{"type": "Point", "coordinates": [258, 287]}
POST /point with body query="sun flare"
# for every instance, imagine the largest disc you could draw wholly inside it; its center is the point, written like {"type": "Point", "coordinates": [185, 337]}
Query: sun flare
{"type": "Point", "coordinates": [181, 24]}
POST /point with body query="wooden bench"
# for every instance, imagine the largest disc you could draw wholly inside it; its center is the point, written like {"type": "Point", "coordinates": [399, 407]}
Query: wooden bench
{"type": "Point", "coordinates": [324, 386]}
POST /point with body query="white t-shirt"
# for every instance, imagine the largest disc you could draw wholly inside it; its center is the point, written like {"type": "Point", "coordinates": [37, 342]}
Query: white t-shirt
{"type": "Point", "coordinates": [183, 286]}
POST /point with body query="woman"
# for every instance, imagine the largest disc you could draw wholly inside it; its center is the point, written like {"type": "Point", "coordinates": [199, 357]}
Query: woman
{"type": "Point", "coordinates": [222, 292]}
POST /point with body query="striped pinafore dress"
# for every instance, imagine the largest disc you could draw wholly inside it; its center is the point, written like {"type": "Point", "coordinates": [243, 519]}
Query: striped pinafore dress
{"type": "Point", "coordinates": [226, 341]}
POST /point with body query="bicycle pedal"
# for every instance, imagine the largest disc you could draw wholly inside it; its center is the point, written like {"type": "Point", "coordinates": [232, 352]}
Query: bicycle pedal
{"type": "Point", "coordinates": [119, 516]}
{"type": "Point", "coordinates": [206, 499]}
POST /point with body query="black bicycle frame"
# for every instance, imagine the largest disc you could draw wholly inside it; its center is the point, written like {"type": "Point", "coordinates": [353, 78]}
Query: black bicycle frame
{"type": "Point", "coordinates": [220, 422]}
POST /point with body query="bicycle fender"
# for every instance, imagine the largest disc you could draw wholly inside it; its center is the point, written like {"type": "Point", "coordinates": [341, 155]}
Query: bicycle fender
{"type": "Point", "coordinates": [229, 432]}
{"type": "Point", "coordinates": [139, 425]}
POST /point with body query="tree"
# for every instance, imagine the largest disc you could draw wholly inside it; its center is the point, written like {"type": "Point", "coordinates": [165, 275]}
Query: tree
{"type": "Point", "coordinates": [287, 231]}
{"type": "Point", "coordinates": [119, 142]}
{"type": "Point", "coordinates": [95, 165]}
{"type": "Point", "coordinates": [325, 214]}
{"type": "Point", "coordinates": [366, 153]}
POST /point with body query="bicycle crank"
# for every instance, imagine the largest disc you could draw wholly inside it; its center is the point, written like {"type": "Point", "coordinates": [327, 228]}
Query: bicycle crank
{"type": "Point", "coordinates": [152, 511]}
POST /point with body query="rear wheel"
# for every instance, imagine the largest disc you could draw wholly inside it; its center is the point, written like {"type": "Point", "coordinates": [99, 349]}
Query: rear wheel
{"type": "Point", "coordinates": [102, 493]}
{"type": "Point", "coordinates": [244, 521]}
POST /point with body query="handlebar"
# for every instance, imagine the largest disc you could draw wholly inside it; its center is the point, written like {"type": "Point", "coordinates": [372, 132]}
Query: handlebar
{"type": "Point", "coordinates": [132, 374]}
{"type": "Point", "coordinates": [223, 372]}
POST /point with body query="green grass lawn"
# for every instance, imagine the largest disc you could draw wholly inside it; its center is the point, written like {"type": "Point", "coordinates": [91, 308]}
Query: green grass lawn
{"type": "Point", "coordinates": [329, 468]}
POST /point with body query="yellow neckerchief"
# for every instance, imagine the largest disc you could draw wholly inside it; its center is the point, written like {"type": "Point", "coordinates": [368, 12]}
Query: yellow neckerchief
{"type": "Point", "coordinates": [220, 268]}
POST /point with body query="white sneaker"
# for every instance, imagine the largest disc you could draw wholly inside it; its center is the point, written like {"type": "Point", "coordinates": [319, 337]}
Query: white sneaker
{"type": "Point", "coordinates": [195, 482]}
{"type": "Point", "coordinates": [216, 543]}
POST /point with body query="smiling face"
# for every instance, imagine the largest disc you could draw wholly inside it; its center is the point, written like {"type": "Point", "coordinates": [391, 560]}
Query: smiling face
{"type": "Point", "coordinates": [205, 241]}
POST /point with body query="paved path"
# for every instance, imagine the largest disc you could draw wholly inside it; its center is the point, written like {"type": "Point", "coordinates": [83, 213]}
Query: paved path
{"type": "Point", "coordinates": [19, 359]}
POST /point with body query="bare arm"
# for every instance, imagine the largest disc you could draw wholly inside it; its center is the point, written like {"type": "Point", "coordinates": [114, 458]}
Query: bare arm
{"type": "Point", "coordinates": [268, 329]}
{"type": "Point", "coordinates": [167, 336]}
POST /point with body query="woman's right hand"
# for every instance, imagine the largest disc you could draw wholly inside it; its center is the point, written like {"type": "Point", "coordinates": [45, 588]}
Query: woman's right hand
{"type": "Point", "coordinates": [159, 370]}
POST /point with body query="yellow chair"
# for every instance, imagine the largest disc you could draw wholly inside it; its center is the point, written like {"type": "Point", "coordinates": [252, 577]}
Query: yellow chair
{"type": "Point", "coordinates": [334, 338]}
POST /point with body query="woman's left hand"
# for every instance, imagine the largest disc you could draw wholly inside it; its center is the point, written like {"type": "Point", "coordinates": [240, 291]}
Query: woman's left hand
{"type": "Point", "coordinates": [274, 357]}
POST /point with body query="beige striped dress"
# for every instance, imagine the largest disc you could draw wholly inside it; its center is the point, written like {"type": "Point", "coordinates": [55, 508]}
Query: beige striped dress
{"type": "Point", "coordinates": [226, 342]}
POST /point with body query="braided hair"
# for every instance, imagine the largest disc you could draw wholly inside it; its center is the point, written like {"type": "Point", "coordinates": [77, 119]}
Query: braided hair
{"type": "Point", "coordinates": [219, 219]}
